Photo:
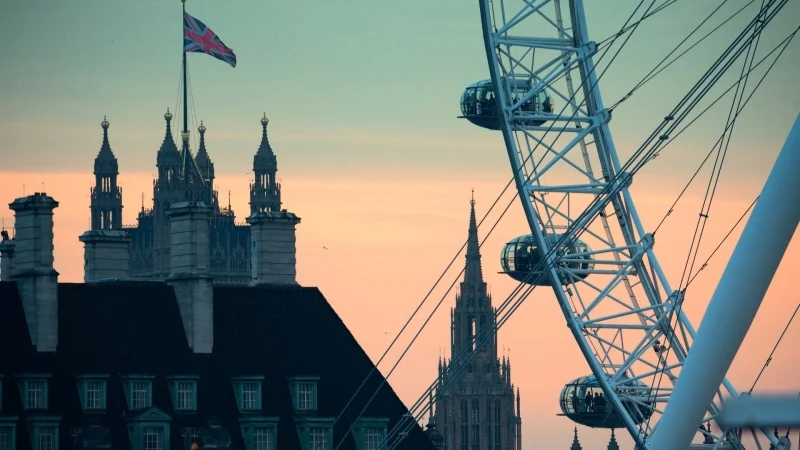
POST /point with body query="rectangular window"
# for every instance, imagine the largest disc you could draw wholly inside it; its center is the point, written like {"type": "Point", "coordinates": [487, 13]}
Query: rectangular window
{"type": "Point", "coordinates": [464, 437]}
{"type": "Point", "coordinates": [36, 394]}
{"type": "Point", "coordinates": [95, 394]}
{"type": "Point", "coordinates": [153, 438]}
{"type": "Point", "coordinates": [6, 438]}
{"type": "Point", "coordinates": [305, 396]}
{"type": "Point", "coordinates": [263, 438]}
{"type": "Point", "coordinates": [373, 438]}
{"type": "Point", "coordinates": [250, 396]}
{"type": "Point", "coordinates": [140, 394]}
{"type": "Point", "coordinates": [46, 438]}
{"type": "Point", "coordinates": [185, 395]}
{"type": "Point", "coordinates": [318, 438]}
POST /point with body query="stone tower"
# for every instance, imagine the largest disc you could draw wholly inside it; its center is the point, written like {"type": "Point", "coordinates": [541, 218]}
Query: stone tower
{"type": "Point", "coordinates": [106, 252]}
{"type": "Point", "coordinates": [479, 409]}
{"type": "Point", "coordinates": [265, 192]}
{"type": "Point", "coordinates": [167, 190]}
{"type": "Point", "coordinates": [206, 169]}
{"type": "Point", "coordinates": [106, 195]}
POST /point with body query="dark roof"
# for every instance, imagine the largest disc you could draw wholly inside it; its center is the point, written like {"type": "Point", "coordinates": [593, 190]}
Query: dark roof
{"type": "Point", "coordinates": [135, 328]}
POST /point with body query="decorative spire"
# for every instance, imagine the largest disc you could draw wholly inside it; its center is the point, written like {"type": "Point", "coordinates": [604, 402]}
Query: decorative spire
{"type": "Point", "coordinates": [473, 274]}
{"type": "Point", "coordinates": [612, 443]}
{"type": "Point", "coordinates": [204, 164]}
{"type": "Point", "coordinates": [264, 148]}
{"type": "Point", "coordinates": [576, 445]}
{"type": "Point", "coordinates": [106, 163]}
{"type": "Point", "coordinates": [169, 142]}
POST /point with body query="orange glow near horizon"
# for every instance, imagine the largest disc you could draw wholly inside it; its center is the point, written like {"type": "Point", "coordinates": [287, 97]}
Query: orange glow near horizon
{"type": "Point", "coordinates": [388, 238]}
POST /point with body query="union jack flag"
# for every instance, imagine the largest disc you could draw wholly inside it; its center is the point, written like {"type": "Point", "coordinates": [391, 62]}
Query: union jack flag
{"type": "Point", "coordinates": [197, 37]}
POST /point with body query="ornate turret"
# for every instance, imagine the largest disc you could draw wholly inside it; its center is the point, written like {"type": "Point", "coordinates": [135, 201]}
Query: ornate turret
{"type": "Point", "coordinates": [265, 192]}
{"type": "Point", "coordinates": [431, 432]}
{"type": "Point", "coordinates": [106, 196]}
{"type": "Point", "coordinates": [576, 445]}
{"type": "Point", "coordinates": [168, 156]}
{"type": "Point", "coordinates": [612, 443]}
{"type": "Point", "coordinates": [168, 189]}
{"type": "Point", "coordinates": [206, 169]}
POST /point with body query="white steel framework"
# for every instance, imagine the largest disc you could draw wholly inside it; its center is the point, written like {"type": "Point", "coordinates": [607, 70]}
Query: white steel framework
{"type": "Point", "coordinates": [623, 312]}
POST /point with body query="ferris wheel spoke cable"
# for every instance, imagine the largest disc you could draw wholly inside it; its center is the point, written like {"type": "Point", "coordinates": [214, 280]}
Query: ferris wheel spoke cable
{"type": "Point", "coordinates": [736, 106]}
{"type": "Point", "coordinates": [482, 220]}
{"type": "Point", "coordinates": [769, 358]}
{"type": "Point", "coordinates": [655, 71]}
{"type": "Point", "coordinates": [457, 254]}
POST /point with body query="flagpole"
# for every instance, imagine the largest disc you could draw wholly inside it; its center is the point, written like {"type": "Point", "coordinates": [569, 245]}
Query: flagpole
{"type": "Point", "coordinates": [185, 99]}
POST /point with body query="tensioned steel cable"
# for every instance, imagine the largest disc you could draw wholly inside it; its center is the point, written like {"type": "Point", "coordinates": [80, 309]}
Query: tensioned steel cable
{"type": "Point", "coordinates": [556, 246]}
{"type": "Point", "coordinates": [454, 258]}
{"type": "Point", "coordinates": [710, 191]}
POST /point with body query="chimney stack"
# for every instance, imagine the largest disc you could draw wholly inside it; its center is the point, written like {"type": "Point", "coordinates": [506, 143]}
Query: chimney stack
{"type": "Point", "coordinates": [106, 254]}
{"type": "Point", "coordinates": [6, 256]}
{"type": "Point", "coordinates": [273, 249]}
{"type": "Point", "coordinates": [36, 278]}
{"type": "Point", "coordinates": [190, 274]}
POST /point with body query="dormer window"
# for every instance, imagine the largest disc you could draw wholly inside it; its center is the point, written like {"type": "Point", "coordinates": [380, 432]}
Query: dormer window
{"type": "Point", "coordinates": [304, 393]}
{"type": "Point", "coordinates": [248, 392]}
{"type": "Point", "coordinates": [183, 390]}
{"type": "Point", "coordinates": [34, 390]}
{"type": "Point", "coordinates": [92, 389]}
{"type": "Point", "coordinates": [370, 433]}
{"type": "Point", "coordinates": [138, 391]}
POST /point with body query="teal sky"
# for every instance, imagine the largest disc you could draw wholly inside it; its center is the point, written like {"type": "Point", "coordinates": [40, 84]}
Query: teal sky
{"type": "Point", "coordinates": [348, 85]}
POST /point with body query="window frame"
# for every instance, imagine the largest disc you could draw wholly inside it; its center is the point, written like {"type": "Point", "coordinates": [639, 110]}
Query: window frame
{"type": "Point", "coordinates": [308, 423]}
{"type": "Point", "coordinates": [130, 382]}
{"type": "Point", "coordinates": [249, 425]}
{"type": "Point", "coordinates": [84, 381]}
{"type": "Point", "coordinates": [295, 384]}
{"type": "Point", "coordinates": [365, 424]}
{"type": "Point", "coordinates": [175, 383]}
{"type": "Point", "coordinates": [25, 380]}
{"type": "Point", "coordinates": [238, 389]}
{"type": "Point", "coordinates": [37, 424]}
{"type": "Point", "coordinates": [10, 423]}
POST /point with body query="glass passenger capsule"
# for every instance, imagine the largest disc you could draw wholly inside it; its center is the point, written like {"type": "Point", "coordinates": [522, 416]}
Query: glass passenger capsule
{"type": "Point", "coordinates": [479, 106]}
{"type": "Point", "coordinates": [521, 261]}
{"type": "Point", "coordinates": [583, 402]}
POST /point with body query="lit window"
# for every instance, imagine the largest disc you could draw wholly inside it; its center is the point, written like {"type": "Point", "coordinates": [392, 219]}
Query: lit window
{"type": "Point", "coordinates": [153, 438]}
{"type": "Point", "coordinates": [318, 438]}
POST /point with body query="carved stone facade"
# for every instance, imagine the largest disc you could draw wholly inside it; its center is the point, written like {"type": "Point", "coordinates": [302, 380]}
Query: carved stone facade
{"type": "Point", "coordinates": [480, 409]}
{"type": "Point", "coordinates": [183, 177]}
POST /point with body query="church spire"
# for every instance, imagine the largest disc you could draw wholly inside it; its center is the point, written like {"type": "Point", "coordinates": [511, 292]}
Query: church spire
{"type": "Point", "coordinates": [612, 443]}
{"type": "Point", "coordinates": [576, 445]}
{"type": "Point", "coordinates": [473, 274]}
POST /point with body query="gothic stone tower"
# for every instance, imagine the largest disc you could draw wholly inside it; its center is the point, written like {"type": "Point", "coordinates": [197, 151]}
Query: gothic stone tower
{"type": "Point", "coordinates": [265, 192]}
{"type": "Point", "coordinates": [106, 195]}
{"type": "Point", "coordinates": [479, 410]}
{"type": "Point", "coordinates": [167, 190]}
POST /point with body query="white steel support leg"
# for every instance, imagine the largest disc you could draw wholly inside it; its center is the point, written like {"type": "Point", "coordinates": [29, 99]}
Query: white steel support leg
{"type": "Point", "coordinates": [736, 299]}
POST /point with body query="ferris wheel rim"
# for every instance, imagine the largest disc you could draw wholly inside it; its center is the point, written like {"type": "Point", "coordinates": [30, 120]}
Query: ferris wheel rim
{"type": "Point", "coordinates": [491, 44]}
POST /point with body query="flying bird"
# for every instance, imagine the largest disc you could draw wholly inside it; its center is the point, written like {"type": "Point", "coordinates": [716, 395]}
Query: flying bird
{"type": "Point", "coordinates": [324, 247]}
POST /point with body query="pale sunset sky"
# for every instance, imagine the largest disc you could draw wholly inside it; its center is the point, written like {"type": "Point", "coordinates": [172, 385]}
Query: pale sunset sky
{"type": "Point", "coordinates": [362, 97]}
